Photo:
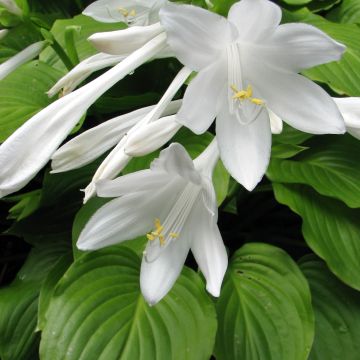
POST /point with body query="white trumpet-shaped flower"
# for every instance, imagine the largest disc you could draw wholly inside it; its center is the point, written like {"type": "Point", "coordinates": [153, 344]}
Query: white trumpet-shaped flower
{"type": "Point", "coordinates": [88, 146]}
{"type": "Point", "coordinates": [350, 110]}
{"type": "Point", "coordinates": [11, 6]}
{"type": "Point", "coordinates": [21, 58]}
{"type": "Point", "coordinates": [247, 65]}
{"type": "Point", "coordinates": [82, 71]}
{"type": "Point", "coordinates": [132, 12]}
{"type": "Point", "coordinates": [174, 203]}
{"type": "Point", "coordinates": [30, 147]}
{"type": "Point", "coordinates": [118, 158]}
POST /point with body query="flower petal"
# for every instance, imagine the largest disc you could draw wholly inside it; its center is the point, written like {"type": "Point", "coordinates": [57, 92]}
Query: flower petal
{"type": "Point", "coordinates": [124, 42]}
{"type": "Point", "coordinates": [244, 149]}
{"type": "Point", "coordinates": [196, 36]}
{"type": "Point", "coordinates": [350, 110]}
{"type": "Point", "coordinates": [276, 123]}
{"type": "Point", "coordinates": [111, 11]}
{"type": "Point", "coordinates": [255, 19]}
{"type": "Point", "coordinates": [200, 103]}
{"type": "Point", "coordinates": [208, 249]}
{"type": "Point", "coordinates": [176, 161]}
{"type": "Point", "coordinates": [295, 47]}
{"type": "Point", "coordinates": [298, 101]}
{"type": "Point", "coordinates": [125, 218]}
{"type": "Point", "coordinates": [158, 277]}
{"type": "Point", "coordinates": [89, 145]}
{"type": "Point", "coordinates": [134, 182]}
{"type": "Point", "coordinates": [22, 57]}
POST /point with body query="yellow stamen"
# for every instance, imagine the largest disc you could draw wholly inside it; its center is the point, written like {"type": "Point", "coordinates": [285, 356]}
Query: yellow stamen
{"type": "Point", "coordinates": [158, 233]}
{"type": "Point", "coordinates": [132, 13]}
{"type": "Point", "coordinates": [126, 13]}
{"type": "Point", "coordinates": [245, 95]}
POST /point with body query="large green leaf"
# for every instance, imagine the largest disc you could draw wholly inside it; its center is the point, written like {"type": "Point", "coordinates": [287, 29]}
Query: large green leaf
{"type": "Point", "coordinates": [19, 301]}
{"type": "Point", "coordinates": [16, 106]}
{"type": "Point", "coordinates": [98, 312]}
{"type": "Point", "coordinates": [264, 310]}
{"type": "Point", "coordinates": [331, 166]}
{"type": "Point", "coordinates": [347, 12]}
{"type": "Point", "coordinates": [337, 313]}
{"type": "Point", "coordinates": [330, 228]}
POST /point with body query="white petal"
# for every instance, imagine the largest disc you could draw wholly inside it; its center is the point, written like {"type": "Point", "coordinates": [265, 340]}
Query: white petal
{"type": "Point", "coordinates": [3, 33]}
{"type": "Point", "coordinates": [208, 249]}
{"type": "Point", "coordinates": [196, 36]}
{"type": "Point", "coordinates": [295, 47]}
{"type": "Point", "coordinates": [276, 123]}
{"type": "Point", "coordinates": [158, 277]}
{"type": "Point", "coordinates": [11, 6]}
{"type": "Point", "coordinates": [89, 145]}
{"type": "Point", "coordinates": [201, 99]}
{"type": "Point", "coordinates": [176, 161]}
{"type": "Point", "coordinates": [298, 101]}
{"type": "Point", "coordinates": [350, 110]}
{"type": "Point", "coordinates": [22, 57]}
{"type": "Point", "coordinates": [125, 218]}
{"type": "Point", "coordinates": [83, 70]}
{"type": "Point", "coordinates": [244, 149]}
{"type": "Point", "coordinates": [29, 148]}
{"type": "Point", "coordinates": [151, 136]}
{"type": "Point", "coordinates": [124, 42]}
{"type": "Point", "coordinates": [134, 182]}
{"type": "Point", "coordinates": [255, 19]}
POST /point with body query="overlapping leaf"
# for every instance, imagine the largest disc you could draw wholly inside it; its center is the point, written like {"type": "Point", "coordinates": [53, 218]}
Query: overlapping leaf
{"type": "Point", "coordinates": [264, 310]}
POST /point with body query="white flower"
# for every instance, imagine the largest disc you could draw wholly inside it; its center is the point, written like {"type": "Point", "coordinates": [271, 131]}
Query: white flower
{"type": "Point", "coordinates": [30, 147]}
{"type": "Point", "coordinates": [248, 64]}
{"type": "Point", "coordinates": [89, 145]}
{"type": "Point", "coordinates": [3, 33]}
{"type": "Point", "coordinates": [21, 58]}
{"type": "Point", "coordinates": [173, 202]}
{"type": "Point", "coordinates": [132, 12]}
{"type": "Point", "coordinates": [350, 110]}
{"type": "Point", "coordinates": [118, 158]}
{"type": "Point", "coordinates": [82, 71]}
{"type": "Point", "coordinates": [11, 6]}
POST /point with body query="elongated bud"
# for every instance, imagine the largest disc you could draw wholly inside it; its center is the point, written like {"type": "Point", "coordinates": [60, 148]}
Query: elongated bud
{"type": "Point", "coordinates": [350, 110]}
{"type": "Point", "coordinates": [123, 42]}
{"type": "Point", "coordinates": [151, 136]}
{"type": "Point", "coordinates": [11, 6]}
{"type": "Point", "coordinates": [3, 33]}
{"type": "Point", "coordinates": [276, 123]}
{"type": "Point", "coordinates": [22, 57]}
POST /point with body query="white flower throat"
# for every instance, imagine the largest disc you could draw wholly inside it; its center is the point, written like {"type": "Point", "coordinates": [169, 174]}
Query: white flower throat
{"type": "Point", "coordinates": [164, 233]}
{"type": "Point", "coordinates": [242, 102]}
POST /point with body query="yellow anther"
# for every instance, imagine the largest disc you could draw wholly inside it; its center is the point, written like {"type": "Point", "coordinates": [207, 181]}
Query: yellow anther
{"type": "Point", "coordinates": [150, 237]}
{"type": "Point", "coordinates": [257, 101]}
{"type": "Point", "coordinates": [174, 235]}
{"type": "Point", "coordinates": [245, 95]}
{"type": "Point", "coordinates": [126, 13]}
{"type": "Point", "coordinates": [162, 240]}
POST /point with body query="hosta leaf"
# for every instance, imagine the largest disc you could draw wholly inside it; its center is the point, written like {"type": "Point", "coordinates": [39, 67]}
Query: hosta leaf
{"type": "Point", "coordinates": [290, 136]}
{"type": "Point", "coordinates": [337, 313]}
{"type": "Point", "coordinates": [16, 106]}
{"type": "Point", "coordinates": [264, 310]}
{"type": "Point", "coordinates": [347, 12]}
{"type": "Point", "coordinates": [97, 312]}
{"type": "Point", "coordinates": [331, 166]}
{"type": "Point", "coordinates": [19, 302]}
{"type": "Point", "coordinates": [330, 228]}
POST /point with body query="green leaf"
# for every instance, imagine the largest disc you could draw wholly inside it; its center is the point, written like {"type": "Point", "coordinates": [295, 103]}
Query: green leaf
{"type": "Point", "coordinates": [285, 151]}
{"type": "Point", "coordinates": [347, 12]}
{"type": "Point", "coordinates": [329, 227]}
{"type": "Point", "coordinates": [97, 312]}
{"type": "Point", "coordinates": [19, 301]}
{"type": "Point", "coordinates": [297, 2]}
{"type": "Point", "coordinates": [264, 310]}
{"type": "Point", "coordinates": [330, 166]}
{"type": "Point", "coordinates": [16, 106]}
{"type": "Point", "coordinates": [337, 313]}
